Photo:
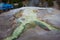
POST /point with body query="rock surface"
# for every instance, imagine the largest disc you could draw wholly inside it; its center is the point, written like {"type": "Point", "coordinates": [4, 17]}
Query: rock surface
{"type": "Point", "coordinates": [32, 34]}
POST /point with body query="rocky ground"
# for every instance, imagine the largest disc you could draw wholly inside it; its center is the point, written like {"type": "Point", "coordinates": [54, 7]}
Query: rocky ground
{"type": "Point", "coordinates": [37, 33]}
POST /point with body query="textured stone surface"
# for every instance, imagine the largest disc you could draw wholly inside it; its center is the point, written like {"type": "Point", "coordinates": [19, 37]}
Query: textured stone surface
{"type": "Point", "coordinates": [32, 34]}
